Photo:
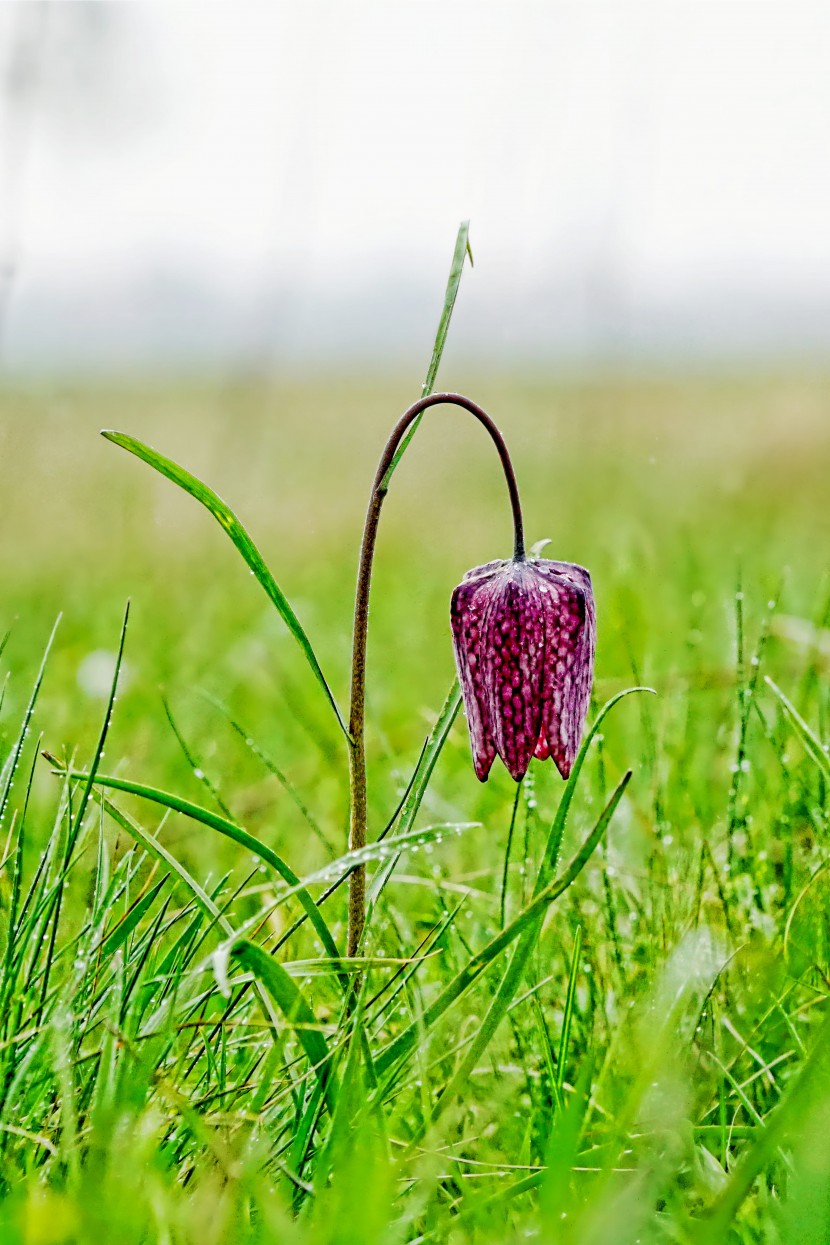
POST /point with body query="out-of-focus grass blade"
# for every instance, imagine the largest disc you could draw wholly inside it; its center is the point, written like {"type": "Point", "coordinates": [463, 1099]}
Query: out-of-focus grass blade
{"type": "Point", "coordinates": [562, 1150]}
{"type": "Point", "coordinates": [808, 1088]}
{"type": "Point", "coordinates": [462, 250]}
{"type": "Point", "coordinates": [429, 757]}
{"type": "Point", "coordinates": [272, 768]}
{"type": "Point", "coordinates": [240, 538]}
{"type": "Point", "coordinates": [811, 741]}
{"type": "Point", "coordinates": [232, 831]}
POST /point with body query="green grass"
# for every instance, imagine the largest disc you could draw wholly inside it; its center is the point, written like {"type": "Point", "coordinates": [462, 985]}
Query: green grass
{"type": "Point", "coordinates": [638, 1056]}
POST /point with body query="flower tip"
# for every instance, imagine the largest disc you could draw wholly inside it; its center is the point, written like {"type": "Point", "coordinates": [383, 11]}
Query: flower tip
{"type": "Point", "coordinates": [564, 765]}
{"type": "Point", "coordinates": [482, 768]}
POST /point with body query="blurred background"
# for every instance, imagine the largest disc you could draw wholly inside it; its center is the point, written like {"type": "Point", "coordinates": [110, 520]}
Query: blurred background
{"type": "Point", "coordinates": [226, 229]}
{"type": "Point", "coordinates": [254, 185]}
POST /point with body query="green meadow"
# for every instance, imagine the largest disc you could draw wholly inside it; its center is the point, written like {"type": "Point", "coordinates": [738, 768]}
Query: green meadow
{"type": "Point", "coordinates": [640, 1055]}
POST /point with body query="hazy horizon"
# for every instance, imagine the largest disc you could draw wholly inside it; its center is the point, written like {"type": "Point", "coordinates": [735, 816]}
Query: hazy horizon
{"type": "Point", "coordinates": [217, 185]}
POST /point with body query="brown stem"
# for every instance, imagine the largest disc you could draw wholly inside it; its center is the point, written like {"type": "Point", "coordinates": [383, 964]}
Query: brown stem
{"type": "Point", "coordinates": [357, 713]}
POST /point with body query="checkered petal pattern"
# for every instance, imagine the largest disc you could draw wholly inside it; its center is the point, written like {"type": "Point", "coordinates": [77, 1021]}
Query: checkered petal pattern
{"type": "Point", "coordinates": [524, 638]}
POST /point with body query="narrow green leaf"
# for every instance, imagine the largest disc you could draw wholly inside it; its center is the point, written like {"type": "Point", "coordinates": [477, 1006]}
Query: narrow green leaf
{"type": "Point", "coordinates": [86, 787]}
{"type": "Point", "coordinates": [567, 1013]}
{"type": "Point", "coordinates": [293, 1005]}
{"type": "Point", "coordinates": [515, 971]}
{"type": "Point", "coordinates": [320, 967]}
{"type": "Point", "coordinates": [232, 831]}
{"type": "Point", "coordinates": [240, 538]}
{"type": "Point", "coordinates": [811, 741]}
{"type": "Point", "coordinates": [202, 900]}
{"type": "Point", "coordinates": [13, 760]}
{"type": "Point", "coordinates": [418, 785]}
{"type": "Point", "coordinates": [461, 252]}
{"type": "Point", "coordinates": [119, 935]}
{"type": "Point", "coordinates": [482, 959]}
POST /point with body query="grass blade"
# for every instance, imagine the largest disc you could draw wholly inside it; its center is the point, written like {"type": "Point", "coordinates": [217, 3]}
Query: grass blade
{"type": "Point", "coordinates": [811, 741]}
{"type": "Point", "coordinates": [462, 250]}
{"type": "Point", "coordinates": [13, 760]}
{"type": "Point", "coordinates": [514, 974]}
{"type": "Point", "coordinates": [291, 1002]}
{"type": "Point", "coordinates": [240, 538]}
{"type": "Point", "coordinates": [418, 786]}
{"type": "Point", "coordinates": [801, 1095]}
{"type": "Point", "coordinates": [567, 1014]}
{"type": "Point", "coordinates": [482, 960]}
{"type": "Point", "coordinates": [202, 900]}
{"type": "Point", "coordinates": [231, 830]}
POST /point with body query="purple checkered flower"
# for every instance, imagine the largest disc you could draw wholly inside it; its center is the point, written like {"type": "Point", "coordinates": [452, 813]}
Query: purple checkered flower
{"type": "Point", "coordinates": [524, 635]}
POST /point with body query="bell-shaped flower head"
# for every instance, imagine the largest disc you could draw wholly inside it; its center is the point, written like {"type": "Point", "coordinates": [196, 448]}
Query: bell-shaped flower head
{"type": "Point", "coordinates": [524, 634]}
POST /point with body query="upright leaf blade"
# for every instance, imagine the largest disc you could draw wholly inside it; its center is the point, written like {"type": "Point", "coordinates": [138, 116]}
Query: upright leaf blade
{"type": "Point", "coordinates": [462, 250]}
{"type": "Point", "coordinates": [403, 1044]}
{"type": "Point", "coordinates": [224, 826]}
{"type": "Point", "coordinates": [812, 744]}
{"type": "Point", "coordinates": [240, 538]}
{"type": "Point", "coordinates": [515, 970]}
{"type": "Point", "coordinates": [292, 1003]}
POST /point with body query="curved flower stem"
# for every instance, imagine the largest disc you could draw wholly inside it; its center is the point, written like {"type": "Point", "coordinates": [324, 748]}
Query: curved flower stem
{"type": "Point", "coordinates": [357, 713]}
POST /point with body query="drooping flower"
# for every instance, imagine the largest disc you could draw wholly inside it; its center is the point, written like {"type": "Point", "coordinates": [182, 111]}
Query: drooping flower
{"type": "Point", "coordinates": [524, 637]}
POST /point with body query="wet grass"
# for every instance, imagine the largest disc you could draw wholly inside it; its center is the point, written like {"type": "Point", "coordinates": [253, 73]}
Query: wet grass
{"type": "Point", "coordinates": [641, 1055]}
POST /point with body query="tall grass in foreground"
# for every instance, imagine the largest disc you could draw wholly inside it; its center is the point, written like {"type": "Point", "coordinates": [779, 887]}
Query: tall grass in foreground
{"type": "Point", "coordinates": [178, 1060]}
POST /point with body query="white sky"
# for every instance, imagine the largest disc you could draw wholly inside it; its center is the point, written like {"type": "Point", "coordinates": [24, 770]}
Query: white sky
{"type": "Point", "coordinates": [671, 151]}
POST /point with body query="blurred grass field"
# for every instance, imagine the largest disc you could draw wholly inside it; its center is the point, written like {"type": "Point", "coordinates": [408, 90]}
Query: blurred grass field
{"type": "Point", "coordinates": [668, 489]}
{"type": "Point", "coordinates": [696, 500]}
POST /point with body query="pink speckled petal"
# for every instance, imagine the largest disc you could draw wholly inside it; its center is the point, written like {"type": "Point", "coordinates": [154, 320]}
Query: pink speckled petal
{"type": "Point", "coordinates": [524, 637]}
{"type": "Point", "coordinates": [514, 644]}
{"type": "Point", "coordinates": [468, 609]}
{"type": "Point", "coordinates": [570, 629]}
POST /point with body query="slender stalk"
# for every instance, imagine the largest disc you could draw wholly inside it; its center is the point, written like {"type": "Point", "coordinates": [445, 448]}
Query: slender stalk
{"type": "Point", "coordinates": [357, 713]}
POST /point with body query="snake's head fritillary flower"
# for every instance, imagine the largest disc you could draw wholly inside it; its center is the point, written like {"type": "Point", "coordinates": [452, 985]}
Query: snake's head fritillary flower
{"type": "Point", "coordinates": [524, 636]}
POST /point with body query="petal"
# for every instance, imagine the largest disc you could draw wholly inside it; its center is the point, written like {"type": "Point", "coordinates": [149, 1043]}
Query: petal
{"type": "Point", "coordinates": [467, 612]}
{"type": "Point", "coordinates": [570, 637]}
{"type": "Point", "coordinates": [514, 644]}
{"type": "Point", "coordinates": [542, 751]}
